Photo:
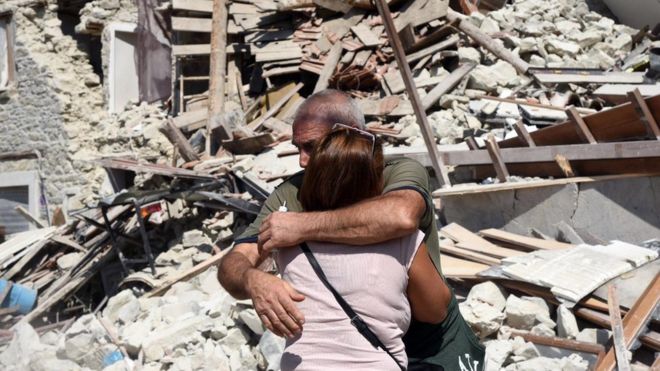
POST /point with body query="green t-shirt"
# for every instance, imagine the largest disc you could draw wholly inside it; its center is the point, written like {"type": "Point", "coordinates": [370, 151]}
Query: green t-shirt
{"type": "Point", "coordinates": [399, 174]}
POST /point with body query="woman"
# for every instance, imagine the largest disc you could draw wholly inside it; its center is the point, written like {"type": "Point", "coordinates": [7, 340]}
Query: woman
{"type": "Point", "coordinates": [385, 283]}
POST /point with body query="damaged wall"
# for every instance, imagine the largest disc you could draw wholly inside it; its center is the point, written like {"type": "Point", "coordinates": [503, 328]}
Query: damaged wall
{"type": "Point", "coordinates": [56, 105]}
{"type": "Point", "coordinates": [623, 209]}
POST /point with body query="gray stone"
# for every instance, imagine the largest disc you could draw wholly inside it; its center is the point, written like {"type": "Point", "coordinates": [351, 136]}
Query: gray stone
{"type": "Point", "coordinates": [251, 320]}
{"type": "Point", "coordinates": [586, 39]}
{"type": "Point", "coordinates": [536, 61]}
{"type": "Point", "coordinates": [542, 330]}
{"type": "Point", "coordinates": [622, 43]}
{"type": "Point", "coordinates": [467, 54]}
{"type": "Point", "coordinates": [482, 317]}
{"type": "Point", "coordinates": [524, 313]}
{"type": "Point", "coordinates": [524, 350]}
{"type": "Point", "coordinates": [174, 335]}
{"type": "Point", "coordinates": [235, 338]}
{"type": "Point", "coordinates": [134, 335]}
{"type": "Point", "coordinates": [194, 238]}
{"type": "Point", "coordinates": [497, 351]}
{"type": "Point", "coordinates": [489, 25]}
{"type": "Point", "coordinates": [594, 335]}
{"type": "Point", "coordinates": [22, 346]}
{"type": "Point", "coordinates": [448, 100]}
{"type": "Point", "coordinates": [117, 302]}
{"type": "Point", "coordinates": [490, 293]}
{"type": "Point", "coordinates": [566, 323]}
{"type": "Point", "coordinates": [271, 347]}
{"type": "Point", "coordinates": [67, 261]}
{"type": "Point", "coordinates": [536, 364]}
{"type": "Point", "coordinates": [574, 363]}
{"type": "Point", "coordinates": [51, 362]}
{"type": "Point", "coordinates": [562, 47]}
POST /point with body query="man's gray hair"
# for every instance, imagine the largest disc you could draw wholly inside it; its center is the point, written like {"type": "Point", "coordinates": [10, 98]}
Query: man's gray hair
{"type": "Point", "coordinates": [329, 107]}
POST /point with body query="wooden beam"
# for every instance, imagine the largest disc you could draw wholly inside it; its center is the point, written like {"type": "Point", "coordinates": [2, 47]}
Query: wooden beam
{"type": "Point", "coordinates": [565, 166]}
{"type": "Point", "coordinates": [466, 26]}
{"type": "Point", "coordinates": [30, 218]}
{"type": "Point", "coordinates": [204, 6]}
{"type": "Point", "coordinates": [176, 137]}
{"type": "Point", "coordinates": [188, 274]}
{"type": "Point", "coordinates": [523, 134]}
{"type": "Point", "coordinates": [429, 138]}
{"type": "Point", "coordinates": [254, 125]}
{"type": "Point", "coordinates": [617, 329]}
{"type": "Point", "coordinates": [217, 67]}
{"type": "Point", "coordinates": [524, 242]}
{"type": "Point", "coordinates": [496, 158]}
{"type": "Point", "coordinates": [451, 40]}
{"type": "Point", "coordinates": [580, 126]}
{"type": "Point", "coordinates": [645, 116]}
{"type": "Point", "coordinates": [329, 67]}
{"type": "Point", "coordinates": [191, 24]}
{"type": "Point", "coordinates": [635, 321]}
{"type": "Point", "coordinates": [18, 155]}
{"type": "Point", "coordinates": [472, 143]}
{"type": "Point", "coordinates": [555, 342]}
{"type": "Point", "coordinates": [468, 254]}
{"type": "Point", "coordinates": [560, 77]}
{"type": "Point", "coordinates": [446, 85]}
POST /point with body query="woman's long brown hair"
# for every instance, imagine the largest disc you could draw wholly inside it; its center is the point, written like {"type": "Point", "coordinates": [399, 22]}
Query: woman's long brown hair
{"type": "Point", "coordinates": [344, 168]}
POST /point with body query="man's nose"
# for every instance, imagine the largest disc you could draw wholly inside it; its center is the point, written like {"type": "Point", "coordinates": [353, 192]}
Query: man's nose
{"type": "Point", "coordinates": [304, 159]}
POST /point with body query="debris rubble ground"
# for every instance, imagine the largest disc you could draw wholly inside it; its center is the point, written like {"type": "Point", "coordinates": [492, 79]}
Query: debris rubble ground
{"type": "Point", "coordinates": [123, 186]}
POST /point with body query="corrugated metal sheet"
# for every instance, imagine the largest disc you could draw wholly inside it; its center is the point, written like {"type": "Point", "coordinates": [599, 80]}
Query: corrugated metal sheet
{"type": "Point", "coordinates": [10, 197]}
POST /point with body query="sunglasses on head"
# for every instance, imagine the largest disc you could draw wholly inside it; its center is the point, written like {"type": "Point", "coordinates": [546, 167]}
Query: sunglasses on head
{"type": "Point", "coordinates": [360, 132]}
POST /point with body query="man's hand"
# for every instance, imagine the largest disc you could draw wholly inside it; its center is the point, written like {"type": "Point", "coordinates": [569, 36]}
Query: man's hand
{"type": "Point", "coordinates": [281, 229]}
{"type": "Point", "coordinates": [273, 300]}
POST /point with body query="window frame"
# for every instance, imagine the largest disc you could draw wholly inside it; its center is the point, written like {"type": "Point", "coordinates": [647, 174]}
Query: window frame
{"type": "Point", "coordinates": [11, 63]}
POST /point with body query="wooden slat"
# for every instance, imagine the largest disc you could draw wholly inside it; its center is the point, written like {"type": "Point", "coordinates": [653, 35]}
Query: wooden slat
{"type": "Point", "coordinates": [205, 49]}
{"type": "Point", "coordinates": [580, 126]}
{"type": "Point", "coordinates": [496, 158]}
{"type": "Point", "coordinates": [635, 321]}
{"type": "Point", "coordinates": [527, 243]}
{"type": "Point", "coordinates": [555, 342]}
{"type": "Point", "coordinates": [644, 113]}
{"type": "Point", "coordinates": [473, 242]}
{"type": "Point", "coordinates": [204, 6]}
{"type": "Point", "coordinates": [615, 124]}
{"type": "Point", "coordinates": [460, 268]}
{"type": "Point", "coordinates": [254, 125]}
{"type": "Point", "coordinates": [494, 250]}
{"type": "Point", "coordinates": [366, 36]}
{"type": "Point", "coordinates": [190, 24]}
{"type": "Point", "coordinates": [451, 40]}
{"type": "Point", "coordinates": [595, 78]}
{"type": "Point", "coordinates": [329, 67]}
{"type": "Point", "coordinates": [446, 85]}
{"type": "Point", "coordinates": [617, 329]}
{"type": "Point", "coordinates": [448, 248]}
{"type": "Point", "coordinates": [472, 143]}
{"type": "Point", "coordinates": [523, 134]}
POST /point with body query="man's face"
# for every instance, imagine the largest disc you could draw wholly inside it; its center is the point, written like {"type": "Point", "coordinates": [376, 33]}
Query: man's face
{"type": "Point", "coordinates": [305, 137]}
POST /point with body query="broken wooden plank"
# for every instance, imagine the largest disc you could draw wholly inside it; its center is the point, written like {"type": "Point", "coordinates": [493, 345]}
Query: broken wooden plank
{"type": "Point", "coordinates": [617, 93]}
{"type": "Point", "coordinates": [468, 254]}
{"type": "Point", "coordinates": [560, 77]}
{"type": "Point", "coordinates": [446, 85]}
{"type": "Point", "coordinates": [617, 330]}
{"type": "Point", "coordinates": [466, 26]}
{"type": "Point", "coordinates": [30, 218]}
{"type": "Point", "coordinates": [188, 274]}
{"type": "Point", "coordinates": [254, 125]}
{"type": "Point", "coordinates": [450, 41]}
{"type": "Point", "coordinates": [565, 166]}
{"type": "Point", "coordinates": [176, 137]}
{"type": "Point", "coordinates": [523, 134]}
{"type": "Point", "coordinates": [460, 268]}
{"type": "Point", "coordinates": [496, 158]}
{"type": "Point", "coordinates": [329, 67]}
{"type": "Point", "coordinates": [635, 321]}
{"type": "Point", "coordinates": [366, 36]}
{"type": "Point", "coordinates": [217, 79]}
{"type": "Point", "coordinates": [191, 24]}
{"type": "Point", "coordinates": [249, 145]}
{"type": "Point", "coordinates": [204, 6]}
{"type": "Point", "coordinates": [644, 113]}
{"type": "Point", "coordinates": [388, 106]}
{"type": "Point", "coordinates": [473, 242]}
{"type": "Point", "coordinates": [524, 242]}
{"type": "Point", "coordinates": [580, 126]}
{"type": "Point", "coordinates": [205, 49]}
{"type": "Point", "coordinates": [403, 64]}
{"type": "Point", "coordinates": [556, 342]}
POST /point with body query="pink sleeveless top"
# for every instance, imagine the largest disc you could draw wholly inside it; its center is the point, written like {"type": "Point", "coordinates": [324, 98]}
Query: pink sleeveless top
{"type": "Point", "coordinates": [373, 279]}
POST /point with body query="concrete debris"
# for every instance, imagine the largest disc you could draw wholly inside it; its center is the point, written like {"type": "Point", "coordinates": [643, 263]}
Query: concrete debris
{"type": "Point", "coordinates": [566, 323]}
{"type": "Point", "coordinates": [524, 313]}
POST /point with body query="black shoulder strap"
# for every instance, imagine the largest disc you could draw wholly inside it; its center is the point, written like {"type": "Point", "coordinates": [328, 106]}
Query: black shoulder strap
{"type": "Point", "coordinates": [356, 320]}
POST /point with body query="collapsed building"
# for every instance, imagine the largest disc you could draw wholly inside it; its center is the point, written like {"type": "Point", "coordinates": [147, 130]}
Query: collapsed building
{"type": "Point", "coordinates": [125, 175]}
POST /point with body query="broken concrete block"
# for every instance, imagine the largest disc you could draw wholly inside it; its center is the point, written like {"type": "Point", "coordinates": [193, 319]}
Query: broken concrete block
{"type": "Point", "coordinates": [251, 320]}
{"type": "Point", "coordinates": [586, 39]}
{"type": "Point", "coordinates": [536, 364]}
{"type": "Point", "coordinates": [490, 293]}
{"type": "Point", "coordinates": [622, 43]}
{"type": "Point", "coordinates": [482, 317]}
{"type": "Point", "coordinates": [168, 337]}
{"type": "Point", "coordinates": [527, 44]}
{"type": "Point", "coordinates": [497, 351]}
{"type": "Point", "coordinates": [566, 323]}
{"type": "Point", "coordinates": [536, 61]}
{"type": "Point", "coordinates": [133, 335]}
{"type": "Point", "coordinates": [235, 337]}
{"type": "Point", "coordinates": [194, 238]}
{"type": "Point", "coordinates": [481, 78]}
{"type": "Point", "coordinates": [594, 335]}
{"type": "Point", "coordinates": [574, 363]}
{"type": "Point", "coordinates": [542, 330]}
{"type": "Point", "coordinates": [524, 313]}
{"type": "Point", "coordinates": [524, 350]}
{"type": "Point", "coordinates": [562, 47]}
{"type": "Point", "coordinates": [271, 347]}
{"type": "Point", "coordinates": [24, 343]}
{"type": "Point", "coordinates": [466, 55]}
{"type": "Point", "coordinates": [111, 311]}
{"type": "Point", "coordinates": [489, 25]}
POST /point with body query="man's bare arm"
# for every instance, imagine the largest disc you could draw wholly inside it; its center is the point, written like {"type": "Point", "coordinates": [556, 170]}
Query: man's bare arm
{"type": "Point", "coordinates": [378, 219]}
{"type": "Point", "coordinates": [272, 297]}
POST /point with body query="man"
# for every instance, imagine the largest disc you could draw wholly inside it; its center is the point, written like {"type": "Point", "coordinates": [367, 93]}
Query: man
{"type": "Point", "coordinates": [404, 207]}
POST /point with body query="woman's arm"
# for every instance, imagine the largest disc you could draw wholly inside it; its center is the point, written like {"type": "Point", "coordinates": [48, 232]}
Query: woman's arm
{"type": "Point", "coordinates": [428, 293]}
